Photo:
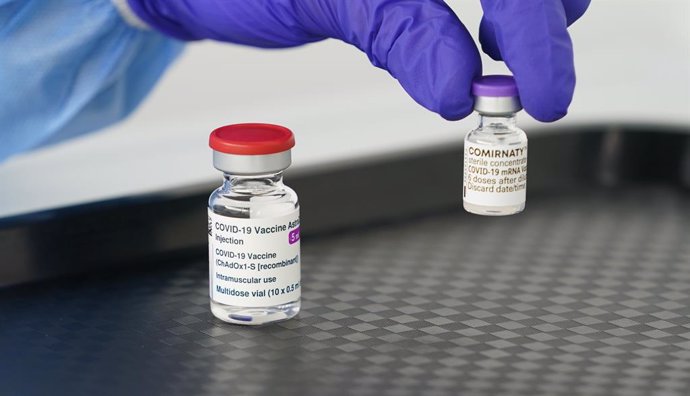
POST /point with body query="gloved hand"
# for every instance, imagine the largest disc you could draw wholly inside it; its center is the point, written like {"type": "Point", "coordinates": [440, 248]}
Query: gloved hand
{"type": "Point", "coordinates": [420, 42]}
{"type": "Point", "coordinates": [72, 66]}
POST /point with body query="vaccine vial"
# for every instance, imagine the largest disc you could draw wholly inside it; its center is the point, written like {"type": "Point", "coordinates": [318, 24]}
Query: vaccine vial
{"type": "Point", "coordinates": [495, 164]}
{"type": "Point", "coordinates": [253, 227]}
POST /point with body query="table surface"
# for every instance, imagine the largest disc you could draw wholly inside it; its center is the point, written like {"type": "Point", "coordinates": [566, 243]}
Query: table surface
{"type": "Point", "coordinates": [586, 294]}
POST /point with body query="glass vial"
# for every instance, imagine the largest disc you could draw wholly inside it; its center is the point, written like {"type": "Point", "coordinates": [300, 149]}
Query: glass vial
{"type": "Point", "coordinates": [253, 227]}
{"type": "Point", "coordinates": [495, 164]}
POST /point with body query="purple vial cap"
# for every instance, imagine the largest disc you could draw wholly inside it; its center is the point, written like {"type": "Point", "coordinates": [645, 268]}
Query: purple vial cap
{"type": "Point", "coordinates": [495, 86]}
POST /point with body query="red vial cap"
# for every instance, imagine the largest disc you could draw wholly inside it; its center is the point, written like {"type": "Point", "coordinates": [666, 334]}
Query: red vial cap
{"type": "Point", "coordinates": [252, 139]}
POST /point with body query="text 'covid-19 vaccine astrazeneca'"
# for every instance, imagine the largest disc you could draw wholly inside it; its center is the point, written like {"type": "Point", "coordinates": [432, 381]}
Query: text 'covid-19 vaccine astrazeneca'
{"type": "Point", "coordinates": [495, 165]}
{"type": "Point", "coordinates": [253, 227]}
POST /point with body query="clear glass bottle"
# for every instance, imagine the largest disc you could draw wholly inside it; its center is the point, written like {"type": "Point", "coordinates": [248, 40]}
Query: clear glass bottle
{"type": "Point", "coordinates": [495, 166]}
{"type": "Point", "coordinates": [254, 257]}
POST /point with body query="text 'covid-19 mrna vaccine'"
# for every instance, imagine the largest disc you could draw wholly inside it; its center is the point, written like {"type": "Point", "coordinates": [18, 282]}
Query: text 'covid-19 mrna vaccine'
{"type": "Point", "coordinates": [253, 227]}
{"type": "Point", "coordinates": [495, 165]}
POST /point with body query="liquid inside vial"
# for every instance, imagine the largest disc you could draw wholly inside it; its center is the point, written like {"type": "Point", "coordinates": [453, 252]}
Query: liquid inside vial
{"type": "Point", "coordinates": [495, 168]}
{"type": "Point", "coordinates": [255, 204]}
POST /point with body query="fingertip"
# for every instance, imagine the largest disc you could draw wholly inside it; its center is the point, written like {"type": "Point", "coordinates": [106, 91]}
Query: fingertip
{"type": "Point", "coordinates": [543, 115]}
{"type": "Point", "coordinates": [488, 40]}
{"type": "Point", "coordinates": [456, 113]}
{"type": "Point", "coordinates": [454, 100]}
{"type": "Point", "coordinates": [544, 103]}
{"type": "Point", "coordinates": [574, 9]}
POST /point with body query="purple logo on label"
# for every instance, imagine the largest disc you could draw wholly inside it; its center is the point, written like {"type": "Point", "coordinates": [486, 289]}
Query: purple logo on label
{"type": "Point", "coordinates": [293, 237]}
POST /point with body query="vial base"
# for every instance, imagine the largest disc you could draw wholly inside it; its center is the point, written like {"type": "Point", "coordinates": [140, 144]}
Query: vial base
{"type": "Point", "coordinates": [493, 210]}
{"type": "Point", "coordinates": [254, 316]}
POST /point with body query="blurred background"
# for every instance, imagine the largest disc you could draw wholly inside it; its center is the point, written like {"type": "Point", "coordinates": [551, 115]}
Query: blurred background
{"type": "Point", "coordinates": [633, 67]}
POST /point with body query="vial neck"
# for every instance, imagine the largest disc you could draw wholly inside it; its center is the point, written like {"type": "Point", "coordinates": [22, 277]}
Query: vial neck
{"type": "Point", "coordinates": [253, 183]}
{"type": "Point", "coordinates": [496, 121]}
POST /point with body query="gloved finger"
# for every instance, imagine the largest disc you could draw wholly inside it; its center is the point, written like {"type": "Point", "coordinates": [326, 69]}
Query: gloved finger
{"type": "Point", "coordinates": [533, 40]}
{"type": "Point", "coordinates": [257, 23]}
{"type": "Point", "coordinates": [574, 9]}
{"type": "Point", "coordinates": [421, 43]}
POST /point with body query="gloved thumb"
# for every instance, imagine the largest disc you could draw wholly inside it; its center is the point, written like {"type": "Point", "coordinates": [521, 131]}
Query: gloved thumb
{"type": "Point", "coordinates": [531, 37]}
{"type": "Point", "coordinates": [421, 43]}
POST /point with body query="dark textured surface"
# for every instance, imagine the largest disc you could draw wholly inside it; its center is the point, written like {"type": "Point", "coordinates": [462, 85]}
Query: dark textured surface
{"type": "Point", "coordinates": [579, 295]}
{"type": "Point", "coordinates": [112, 234]}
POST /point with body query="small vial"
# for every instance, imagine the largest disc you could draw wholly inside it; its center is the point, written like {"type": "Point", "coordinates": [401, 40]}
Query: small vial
{"type": "Point", "coordinates": [495, 165]}
{"type": "Point", "coordinates": [253, 227]}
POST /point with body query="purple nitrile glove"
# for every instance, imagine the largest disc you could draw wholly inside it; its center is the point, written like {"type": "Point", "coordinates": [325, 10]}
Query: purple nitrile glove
{"type": "Point", "coordinates": [420, 42]}
{"type": "Point", "coordinates": [531, 37]}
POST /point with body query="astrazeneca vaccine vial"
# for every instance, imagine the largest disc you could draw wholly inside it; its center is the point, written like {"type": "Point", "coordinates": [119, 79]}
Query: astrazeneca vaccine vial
{"type": "Point", "coordinates": [253, 227]}
{"type": "Point", "coordinates": [495, 165]}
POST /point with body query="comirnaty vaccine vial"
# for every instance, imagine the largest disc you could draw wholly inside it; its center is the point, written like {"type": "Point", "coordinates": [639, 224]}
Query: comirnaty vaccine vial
{"type": "Point", "coordinates": [495, 174]}
{"type": "Point", "coordinates": [253, 227]}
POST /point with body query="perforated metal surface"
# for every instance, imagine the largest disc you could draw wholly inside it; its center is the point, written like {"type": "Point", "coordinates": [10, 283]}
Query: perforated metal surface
{"type": "Point", "coordinates": [579, 295]}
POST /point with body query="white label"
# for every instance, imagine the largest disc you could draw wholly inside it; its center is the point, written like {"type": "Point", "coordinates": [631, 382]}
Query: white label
{"type": "Point", "coordinates": [254, 262]}
{"type": "Point", "coordinates": [495, 175]}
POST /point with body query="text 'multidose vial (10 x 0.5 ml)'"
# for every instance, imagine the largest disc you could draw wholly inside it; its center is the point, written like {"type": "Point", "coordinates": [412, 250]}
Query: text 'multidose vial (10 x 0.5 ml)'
{"type": "Point", "coordinates": [253, 227]}
{"type": "Point", "coordinates": [495, 165]}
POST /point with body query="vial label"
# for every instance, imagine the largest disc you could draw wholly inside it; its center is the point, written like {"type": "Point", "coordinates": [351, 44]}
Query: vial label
{"type": "Point", "coordinates": [495, 175]}
{"type": "Point", "coordinates": [254, 262]}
